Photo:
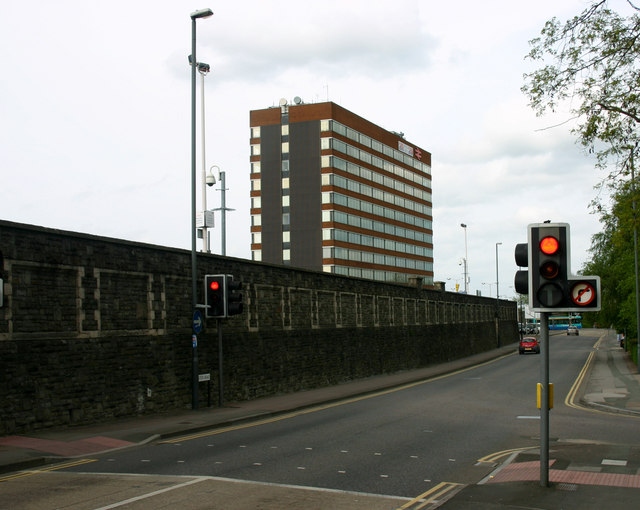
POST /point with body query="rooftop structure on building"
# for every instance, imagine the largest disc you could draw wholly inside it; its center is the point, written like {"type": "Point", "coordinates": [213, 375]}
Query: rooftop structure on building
{"type": "Point", "coordinates": [334, 192]}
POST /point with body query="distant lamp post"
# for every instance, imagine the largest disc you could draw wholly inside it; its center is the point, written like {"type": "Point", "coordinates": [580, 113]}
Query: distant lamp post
{"type": "Point", "coordinates": [466, 260]}
{"type": "Point", "coordinates": [202, 13]}
{"type": "Point", "coordinates": [497, 291]}
{"type": "Point", "coordinates": [204, 69]}
{"type": "Point", "coordinates": [497, 300]}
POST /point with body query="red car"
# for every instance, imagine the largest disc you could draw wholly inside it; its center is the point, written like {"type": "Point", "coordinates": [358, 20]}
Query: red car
{"type": "Point", "coordinates": [529, 344]}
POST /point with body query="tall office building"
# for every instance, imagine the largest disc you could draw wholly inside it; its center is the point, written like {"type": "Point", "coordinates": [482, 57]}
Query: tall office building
{"type": "Point", "coordinates": [331, 191]}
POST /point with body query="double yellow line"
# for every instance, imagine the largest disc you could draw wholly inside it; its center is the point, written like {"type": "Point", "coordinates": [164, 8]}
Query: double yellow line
{"type": "Point", "coordinates": [428, 497]}
{"type": "Point", "coordinates": [64, 465]}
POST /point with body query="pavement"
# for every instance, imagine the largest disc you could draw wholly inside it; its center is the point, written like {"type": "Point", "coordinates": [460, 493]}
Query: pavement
{"type": "Point", "coordinates": [581, 476]}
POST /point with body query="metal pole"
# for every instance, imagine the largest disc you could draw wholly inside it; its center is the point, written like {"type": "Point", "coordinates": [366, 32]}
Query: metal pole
{"type": "Point", "coordinates": [194, 267]}
{"type": "Point", "coordinates": [205, 246]}
{"type": "Point", "coordinates": [223, 216]}
{"type": "Point", "coordinates": [497, 278]}
{"type": "Point", "coordinates": [544, 400]}
{"type": "Point", "coordinates": [220, 360]}
{"type": "Point", "coordinates": [635, 255]}
{"type": "Point", "coordinates": [497, 301]}
{"type": "Point", "coordinates": [466, 260]}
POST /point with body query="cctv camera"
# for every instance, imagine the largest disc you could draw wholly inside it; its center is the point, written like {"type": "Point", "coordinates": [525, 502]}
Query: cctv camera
{"type": "Point", "coordinates": [210, 180]}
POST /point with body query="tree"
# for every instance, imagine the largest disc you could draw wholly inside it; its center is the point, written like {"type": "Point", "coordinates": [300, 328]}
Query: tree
{"type": "Point", "coordinates": [590, 65]}
{"type": "Point", "coordinates": [593, 71]}
{"type": "Point", "coordinates": [612, 259]}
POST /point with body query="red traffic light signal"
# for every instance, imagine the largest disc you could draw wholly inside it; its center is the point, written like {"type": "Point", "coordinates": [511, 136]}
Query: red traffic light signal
{"type": "Point", "coordinates": [215, 301]}
{"type": "Point", "coordinates": [550, 266]}
{"type": "Point", "coordinates": [549, 245]}
{"type": "Point", "coordinates": [548, 279]}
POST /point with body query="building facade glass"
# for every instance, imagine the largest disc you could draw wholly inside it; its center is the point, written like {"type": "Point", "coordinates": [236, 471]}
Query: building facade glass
{"type": "Point", "coordinates": [332, 191]}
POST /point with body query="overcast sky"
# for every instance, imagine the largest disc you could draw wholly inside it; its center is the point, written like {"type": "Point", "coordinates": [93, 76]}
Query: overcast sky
{"type": "Point", "coordinates": [95, 107]}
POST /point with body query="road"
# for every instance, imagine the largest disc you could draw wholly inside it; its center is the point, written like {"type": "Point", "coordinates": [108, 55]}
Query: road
{"type": "Point", "coordinates": [385, 449]}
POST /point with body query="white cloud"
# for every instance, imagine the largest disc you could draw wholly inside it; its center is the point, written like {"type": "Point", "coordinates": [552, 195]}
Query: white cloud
{"type": "Point", "coordinates": [95, 103]}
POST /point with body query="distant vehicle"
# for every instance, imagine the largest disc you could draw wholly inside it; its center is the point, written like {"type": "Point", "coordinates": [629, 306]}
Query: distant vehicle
{"type": "Point", "coordinates": [572, 330]}
{"type": "Point", "coordinates": [529, 344]}
{"type": "Point", "coordinates": [564, 321]}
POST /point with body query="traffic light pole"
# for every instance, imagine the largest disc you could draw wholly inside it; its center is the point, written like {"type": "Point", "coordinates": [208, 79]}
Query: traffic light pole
{"type": "Point", "coordinates": [544, 401]}
{"type": "Point", "coordinates": [220, 384]}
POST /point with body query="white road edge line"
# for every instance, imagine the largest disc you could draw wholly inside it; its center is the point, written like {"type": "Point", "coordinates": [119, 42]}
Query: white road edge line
{"type": "Point", "coordinates": [495, 472]}
{"type": "Point", "coordinates": [231, 480]}
{"type": "Point", "coordinates": [151, 494]}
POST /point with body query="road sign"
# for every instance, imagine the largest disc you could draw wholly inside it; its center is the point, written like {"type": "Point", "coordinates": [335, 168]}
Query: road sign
{"type": "Point", "coordinates": [583, 293]}
{"type": "Point", "coordinates": [197, 321]}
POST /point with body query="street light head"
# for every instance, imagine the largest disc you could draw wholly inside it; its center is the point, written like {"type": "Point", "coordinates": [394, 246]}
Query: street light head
{"type": "Point", "coordinates": [201, 13]}
{"type": "Point", "coordinates": [203, 68]}
{"type": "Point", "coordinates": [463, 225]}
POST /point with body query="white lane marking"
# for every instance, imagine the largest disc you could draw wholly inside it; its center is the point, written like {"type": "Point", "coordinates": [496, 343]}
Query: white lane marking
{"type": "Point", "coordinates": [251, 482]}
{"type": "Point", "coordinates": [611, 462]}
{"type": "Point", "coordinates": [151, 494]}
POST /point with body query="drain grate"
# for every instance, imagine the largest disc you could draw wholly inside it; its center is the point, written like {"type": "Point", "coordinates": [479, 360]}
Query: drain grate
{"type": "Point", "coordinates": [569, 487]}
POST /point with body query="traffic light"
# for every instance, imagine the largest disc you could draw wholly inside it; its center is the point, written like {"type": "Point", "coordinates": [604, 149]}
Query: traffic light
{"type": "Point", "coordinates": [549, 266]}
{"type": "Point", "coordinates": [215, 300]}
{"type": "Point", "coordinates": [521, 280]}
{"type": "Point", "coordinates": [548, 279]}
{"type": "Point", "coordinates": [234, 297]}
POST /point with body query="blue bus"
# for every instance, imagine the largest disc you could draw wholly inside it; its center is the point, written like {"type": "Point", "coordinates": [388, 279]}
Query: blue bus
{"type": "Point", "coordinates": [563, 321]}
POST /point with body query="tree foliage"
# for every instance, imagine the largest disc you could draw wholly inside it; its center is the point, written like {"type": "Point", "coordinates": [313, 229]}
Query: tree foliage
{"type": "Point", "coordinates": [590, 65]}
{"type": "Point", "coordinates": [613, 260]}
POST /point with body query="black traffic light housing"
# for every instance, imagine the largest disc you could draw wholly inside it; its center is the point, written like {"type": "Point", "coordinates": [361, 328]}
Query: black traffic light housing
{"type": "Point", "coordinates": [234, 296]}
{"type": "Point", "coordinates": [222, 296]}
{"type": "Point", "coordinates": [549, 270]}
{"type": "Point", "coordinates": [521, 280]}
{"type": "Point", "coordinates": [214, 291]}
{"type": "Point", "coordinates": [548, 280]}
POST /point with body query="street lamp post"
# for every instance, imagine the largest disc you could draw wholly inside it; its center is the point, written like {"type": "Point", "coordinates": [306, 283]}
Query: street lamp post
{"type": "Point", "coordinates": [466, 259]}
{"type": "Point", "coordinates": [497, 300]}
{"type": "Point", "coordinates": [202, 13]}
{"type": "Point", "coordinates": [203, 69]}
{"type": "Point", "coordinates": [497, 291]}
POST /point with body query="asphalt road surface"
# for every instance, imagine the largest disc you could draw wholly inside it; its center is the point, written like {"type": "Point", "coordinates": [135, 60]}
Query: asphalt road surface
{"type": "Point", "coordinates": [386, 450]}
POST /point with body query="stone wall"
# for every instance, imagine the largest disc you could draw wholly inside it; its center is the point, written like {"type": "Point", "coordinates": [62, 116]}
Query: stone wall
{"type": "Point", "coordinates": [95, 329]}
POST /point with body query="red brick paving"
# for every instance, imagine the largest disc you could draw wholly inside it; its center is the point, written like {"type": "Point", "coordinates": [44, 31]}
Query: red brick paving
{"type": "Point", "coordinates": [66, 449]}
{"type": "Point", "coordinates": [530, 471]}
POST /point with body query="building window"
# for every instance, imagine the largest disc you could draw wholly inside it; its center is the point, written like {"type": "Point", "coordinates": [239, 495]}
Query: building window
{"type": "Point", "coordinates": [286, 255]}
{"type": "Point", "coordinates": [255, 132]}
{"type": "Point", "coordinates": [286, 219]}
{"type": "Point", "coordinates": [255, 167]}
{"type": "Point", "coordinates": [256, 255]}
{"type": "Point", "coordinates": [256, 220]}
{"type": "Point", "coordinates": [255, 149]}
